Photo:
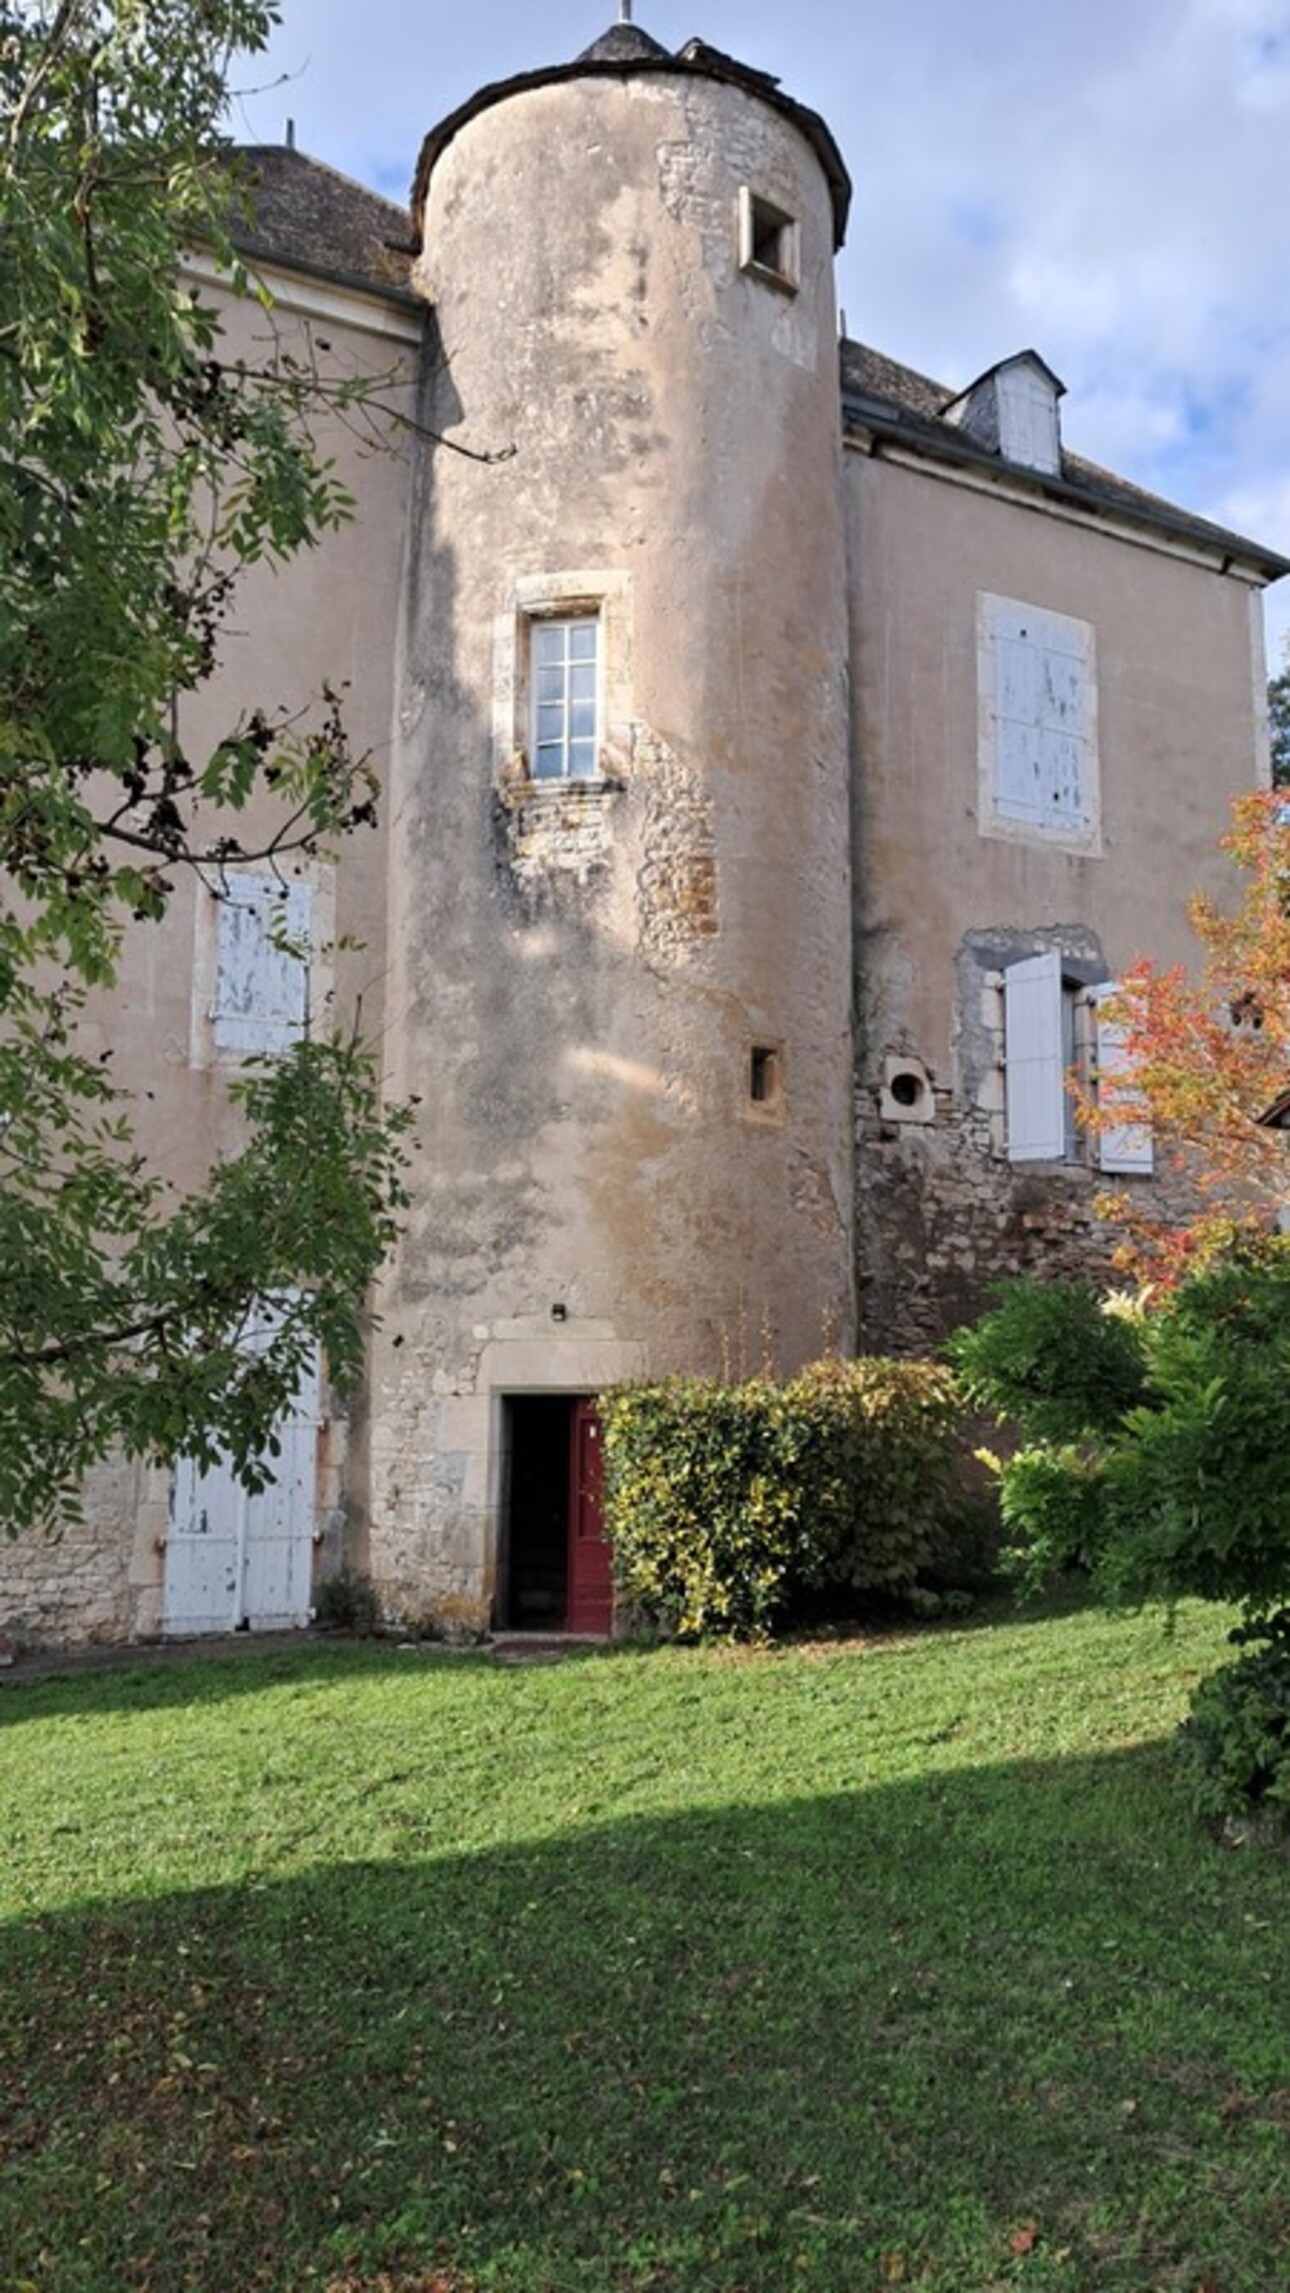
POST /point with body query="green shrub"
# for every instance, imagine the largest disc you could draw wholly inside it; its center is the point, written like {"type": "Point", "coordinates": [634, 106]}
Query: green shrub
{"type": "Point", "coordinates": [877, 1467]}
{"type": "Point", "coordinates": [1054, 1357]}
{"type": "Point", "coordinates": [1234, 1747]}
{"type": "Point", "coordinates": [969, 1555]}
{"type": "Point", "coordinates": [347, 1602]}
{"type": "Point", "coordinates": [1163, 1468]}
{"type": "Point", "coordinates": [702, 1503]}
{"type": "Point", "coordinates": [1197, 1494]}
{"type": "Point", "coordinates": [1051, 1501]}
{"type": "Point", "coordinates": [725, 1503]}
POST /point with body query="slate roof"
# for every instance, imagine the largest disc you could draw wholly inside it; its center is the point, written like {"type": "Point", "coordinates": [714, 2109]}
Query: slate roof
{"type": "Point", "coordinates": [300, 212]}
{"type": "Point", "coordinates": [623, 44]}
{"type": "Point", "coordinates": [613, 57]}
{"type": "Point", "coordinates": [313, 219]}
{"type": "Point", "coordinates": [896, 404]}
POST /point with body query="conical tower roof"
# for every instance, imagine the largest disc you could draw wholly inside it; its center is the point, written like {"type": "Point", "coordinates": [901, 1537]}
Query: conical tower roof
{"type": "Point", "coordinates": [622, 51]}
{"type": "Point", "coordinates": [623, 44]}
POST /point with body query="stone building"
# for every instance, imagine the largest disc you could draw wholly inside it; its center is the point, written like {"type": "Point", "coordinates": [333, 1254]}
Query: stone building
{"type": "Point", "coordinates": [782, 754]}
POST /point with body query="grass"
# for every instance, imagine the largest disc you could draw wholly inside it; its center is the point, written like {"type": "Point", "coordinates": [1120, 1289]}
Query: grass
{"type": "Point", "coordinates": [842, 1968]}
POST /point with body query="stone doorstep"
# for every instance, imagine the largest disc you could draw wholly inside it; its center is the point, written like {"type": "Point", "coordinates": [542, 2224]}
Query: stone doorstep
{"type": "Point", "coordinates": [542, 1647]}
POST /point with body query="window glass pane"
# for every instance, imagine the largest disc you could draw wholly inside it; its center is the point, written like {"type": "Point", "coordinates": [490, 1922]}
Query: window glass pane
{"type": "Point", "coordinates": [565, 698]}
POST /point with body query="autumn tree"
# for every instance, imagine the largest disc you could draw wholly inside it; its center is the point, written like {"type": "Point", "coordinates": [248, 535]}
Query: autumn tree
{"type": "Point", "coordinates": [140, 471]}
{"type": "Point", "coordinates": [1206, 1056]}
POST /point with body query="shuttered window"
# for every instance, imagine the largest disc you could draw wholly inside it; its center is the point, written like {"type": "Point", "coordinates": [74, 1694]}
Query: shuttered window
{"type": "Point", "coordinates": [1028, 426]}
{"type": "Point", "coordinates": [1034, 1084]}
{"type": "Point", "coordinates": [1125, 1146]}
{"type": "Point", "coordinates": [262, 973]}
{"type": "Point", "coordinates": [1039, 753]}
{"type": "Point", "coordinates": [1041, 1045]}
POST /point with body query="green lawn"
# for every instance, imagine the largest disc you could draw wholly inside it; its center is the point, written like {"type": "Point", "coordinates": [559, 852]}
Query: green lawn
{"type": "Point", "coordinates": [840, 1968]}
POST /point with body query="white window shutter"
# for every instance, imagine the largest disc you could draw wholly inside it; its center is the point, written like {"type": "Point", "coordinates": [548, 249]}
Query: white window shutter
{"type": "Point", "coordinates": [1042, 716]}
{"type": "Point", "coordinates": [1034, 1078]}
{"type": "Point", "coordinates": [1125, 1146]}
{"type": "Point", "coordinates": [262, 978]}
{"type": "Point", "coordinates": [1019, 704]}
{"type": "Point", "coordinates": [1028, 427]}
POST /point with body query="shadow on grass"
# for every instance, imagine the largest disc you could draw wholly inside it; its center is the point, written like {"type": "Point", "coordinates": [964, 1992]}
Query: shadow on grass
{"type": "Point", "coordinates": [1002, 2027]}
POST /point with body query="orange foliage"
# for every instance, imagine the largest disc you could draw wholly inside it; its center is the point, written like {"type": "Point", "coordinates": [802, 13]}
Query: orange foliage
{"type": "Point", "coordinates": [1206, 1053]}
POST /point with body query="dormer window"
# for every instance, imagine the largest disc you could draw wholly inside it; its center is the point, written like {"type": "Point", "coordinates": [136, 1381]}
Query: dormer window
{"type": "Point", "coordinates": [1013, 411]}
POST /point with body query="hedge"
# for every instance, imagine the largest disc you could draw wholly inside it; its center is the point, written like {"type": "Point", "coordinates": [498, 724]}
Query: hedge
{"type": "Point", "coordinates": [724, 1503]}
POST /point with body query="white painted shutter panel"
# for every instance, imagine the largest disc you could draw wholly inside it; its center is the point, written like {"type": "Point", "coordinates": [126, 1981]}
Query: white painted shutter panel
{"type": "Point", "coordinates": [1063, 738]}
{"type": "Point", "coordinates": [1042, 718]}
{"type": "Point", "coordinates": [1018, 704]}
{"type": "Point", "coordinates": [233, 1558]}
{"type": "Point", "coordinates": [203, 1548]}
{"type": "Point", "coordinates": [1034, 1079]}
{"type": "Point", "coordinates": [261, 995]}
{"type": "Point", "coordinates": [1126, 1146]}
{"type": "Point", "coordinates": [1028, 430]}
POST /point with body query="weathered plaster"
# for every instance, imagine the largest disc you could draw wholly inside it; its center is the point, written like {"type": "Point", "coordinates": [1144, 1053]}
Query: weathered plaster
{"type": "Point", "coordinates": [578, 973]}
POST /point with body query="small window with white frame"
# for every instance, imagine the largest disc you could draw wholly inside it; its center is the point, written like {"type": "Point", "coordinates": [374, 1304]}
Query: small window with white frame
{"type": "Point", "coordinates": [770, 242]}
{"type": "Point", "coordinates": [1037, 740]}
{"type": "Point", "coordinates": [565, 698]}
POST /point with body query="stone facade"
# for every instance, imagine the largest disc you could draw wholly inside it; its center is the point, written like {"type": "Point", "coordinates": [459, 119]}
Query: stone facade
{"type": "Point", "coordinates": [702, 979]}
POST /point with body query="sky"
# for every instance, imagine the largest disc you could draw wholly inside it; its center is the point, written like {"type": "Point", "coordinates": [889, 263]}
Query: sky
{"type": "Point", "coordinates": [1104, 181]}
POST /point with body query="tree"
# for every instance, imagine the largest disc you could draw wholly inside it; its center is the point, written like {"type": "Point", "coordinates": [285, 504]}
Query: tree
{"type": "Point", "coordinates": [1154, 1438]}
{"type": "Point", "coordinates": [1279, 724]}
{"type": "Point", "coordinates": [140, 471]}
{"type": "Point", "coordinates": [1206, 1054]}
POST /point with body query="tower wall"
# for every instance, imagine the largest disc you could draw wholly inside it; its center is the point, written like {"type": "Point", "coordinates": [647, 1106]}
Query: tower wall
{"type": "Point", "coordinates": [624, 1002]}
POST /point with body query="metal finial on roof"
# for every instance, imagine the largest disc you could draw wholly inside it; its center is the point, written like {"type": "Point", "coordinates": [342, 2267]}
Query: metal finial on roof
{"type": "Point", "coordinates": [624, 11]}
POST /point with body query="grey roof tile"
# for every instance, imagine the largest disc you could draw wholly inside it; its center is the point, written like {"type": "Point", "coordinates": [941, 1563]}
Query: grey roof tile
{"type": "Point", "coordinates": [910, 408]}
{"type": "Point", "coordinates": [298, 211]}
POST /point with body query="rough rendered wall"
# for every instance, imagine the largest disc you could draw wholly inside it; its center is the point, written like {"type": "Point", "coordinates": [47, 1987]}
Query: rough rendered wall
{"type": "Point", "coordinates": [93, 1580]}
{"type": "Point", "coordinates": [578, 976]}
{"type": "Point", "coordinates": [941, 908]}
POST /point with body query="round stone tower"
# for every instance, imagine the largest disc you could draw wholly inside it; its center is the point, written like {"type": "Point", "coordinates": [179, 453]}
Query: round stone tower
{"type": "Point", "coordinates": [620, 911]}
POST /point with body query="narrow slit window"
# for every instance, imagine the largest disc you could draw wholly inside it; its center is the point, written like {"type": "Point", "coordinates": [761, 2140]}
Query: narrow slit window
{"type": "Point", "coordinates": [763, 1075]}
{"type": "Point", "coordinates": [566, 699]}
{"type": "Point", "coordinates": [769, 241]}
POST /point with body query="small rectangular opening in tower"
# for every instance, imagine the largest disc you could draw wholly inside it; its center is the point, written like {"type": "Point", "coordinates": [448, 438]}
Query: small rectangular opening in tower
{"type": "Point", "coordinates": [769, 241]}
{"type": "Point", "coordinates": [763, 1075]}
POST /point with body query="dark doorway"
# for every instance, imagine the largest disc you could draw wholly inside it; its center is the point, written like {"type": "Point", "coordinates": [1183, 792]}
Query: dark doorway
{"type": "Point", "coordinates": [556, 1574]}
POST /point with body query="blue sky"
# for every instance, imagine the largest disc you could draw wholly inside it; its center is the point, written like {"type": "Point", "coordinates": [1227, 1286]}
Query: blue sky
{"type": "Point", "coordinates": [1105, 180]}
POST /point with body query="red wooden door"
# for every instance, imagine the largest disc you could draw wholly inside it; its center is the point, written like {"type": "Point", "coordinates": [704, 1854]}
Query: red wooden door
{"type": "Point", "coordinates": [591, 1584]}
